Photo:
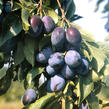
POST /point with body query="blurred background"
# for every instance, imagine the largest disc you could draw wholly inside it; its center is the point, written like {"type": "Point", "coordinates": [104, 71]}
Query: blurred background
{"type": "Point", "coordinates": [95, 22]}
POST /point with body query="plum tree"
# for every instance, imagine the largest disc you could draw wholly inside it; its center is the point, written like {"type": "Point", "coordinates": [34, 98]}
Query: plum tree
{"type": "Point", "coordinates": [67, 72]}
{"type": "Point", "coordinates": [72, 58]}
{"type": "Point", "coordinates": [56, 60]}
{"type": "Point", "coordinates": [36, 26]}
{"type": "Point", "coordinates": [56, 83]}
{"type": "Point", "coordinates": [73, 36]}
{"type": "Point", "coordinates": [51, 71]}
{"type": "Point", "coordinates": [44, 55]}
{"type": "Point", "coordinates": [29, 97]}
{"type": "Point", "coordinates": [58, 38]}
{"type": "Point", "coordinates": [83, 68]}
{"type": "Point", "coordinates": [49, 24]}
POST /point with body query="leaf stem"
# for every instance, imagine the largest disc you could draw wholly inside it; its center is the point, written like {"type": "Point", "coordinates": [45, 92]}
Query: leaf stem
{"type": "Point", "coordinates": [63, 15]}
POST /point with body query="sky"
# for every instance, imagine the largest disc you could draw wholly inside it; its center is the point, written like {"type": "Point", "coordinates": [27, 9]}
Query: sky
{"type": "Point", "coordinates": [91, 21]}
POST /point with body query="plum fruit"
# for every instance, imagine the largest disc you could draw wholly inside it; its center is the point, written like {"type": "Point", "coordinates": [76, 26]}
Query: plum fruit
{"type": "Point", "coordinates": [67, 72]}
{"type": "Point", "coordinates": [56, 60]}
{"type": "Point", "coordinates": [29, 97]}
{"type": "Point", "coordinates": [49, 24]}
{"type": "Point", "coordinates": [73, 36]}
{"type": "Point", "coordinates": [83, 68]}
{"type": "Point", "coordinates": [58, 38]}
{"type": "Point", "coordinates": [44, 55]}
{"type": "Point", "coordinates": [36, 26]}
{"type": "Point", "coordinates": [56, 83]}
{"type": "Point", "coordinates": [51, 71]}
{"type": "Point", "coordinates": [72, 58]}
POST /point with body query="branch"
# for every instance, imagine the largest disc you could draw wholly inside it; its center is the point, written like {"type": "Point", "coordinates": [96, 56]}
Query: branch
{"type": "Point", "coordinates": [40, 8]}
{"type": "Point", "coordinates": [63, 15]}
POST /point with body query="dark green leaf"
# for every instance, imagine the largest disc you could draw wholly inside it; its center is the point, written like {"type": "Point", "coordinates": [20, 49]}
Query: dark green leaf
{"type": "Point", "coordinates": [11, 27]}
{"type": "Point", "coordinates": [15, 6]}
{"type": "Point", "coordinates": [93, 102]}
{"type": "Point", "coordinates": [85, 86]}
{"type": "Point", "coordinates": [55, 104]}
{"type": "Point", "coordinates": [32, 74]}
{"type": "Point", "coordinates": [5, 82]}
{"type": "Point", "coordinates": [3, 72]}
{"type": "Point", "coordinates": [46, 41]}
{"type": "Point", "coordinates": [70, 9]}
{"type": "Point", "coordinates": [19, 54]}
{"type": "Point", "coordinates": [29, 50]}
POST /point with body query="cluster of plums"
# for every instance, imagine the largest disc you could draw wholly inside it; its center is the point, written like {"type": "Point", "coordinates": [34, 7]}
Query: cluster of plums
{"type": "Point", "coordinates": [62, 60]}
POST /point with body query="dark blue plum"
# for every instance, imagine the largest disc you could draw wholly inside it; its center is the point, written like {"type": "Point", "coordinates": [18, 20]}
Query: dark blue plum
{"type": "Point", "coordinates": [49, 24]}
{"type": "Point", "coordinates": [44, 55]}
{"type": "Point", "coordinates": [72, 58]}
{"type": "Point", "coordinates": [83, 68]}
{"type": "Point", "coordinates": [36, 26]}
{"type": "Point", "coordinates": [73, 36]}
{"type": "Point", "coordinates": [56, 83]}
{"type": "Point", "coordinates": [51, 71]}
{"type": "Point", "coordinates": [58, 38]}
{"type": "Point", "coordinates": [56, 60]}
{"type": "Point", "coordinates": [8, 8]}
{"type": "Point", "coordinates": [29, 97]}
{"type": "Point", "coordinates": [67, 72]}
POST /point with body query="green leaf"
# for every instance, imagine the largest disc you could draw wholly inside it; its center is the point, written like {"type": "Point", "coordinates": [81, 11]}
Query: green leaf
{"type": "Point", "coordinates": [29, 49]}
{"type": "Point", "coordinates": [97, 53]}
{"type": "Point", "coordinates": [15, 6]}
{"type": "Point", "coordinates": [27, 3]}
{"type": "Point", "coordinates": [9, 28]}
{"type": "Point", "coordinates": [98, 3]}
{"type": "Point", "coordinates": [85, 87]}
{"type": "Point", "coordinates": [5, 82]}
{"type": "Point", "coordinates": [42, 102]}
{"type": "Point", "coordinates": [93, 102]}
{"type": "Point", "coordinates": [70, 9]}
{"type": "Point", "coordinates": [46, 41]}
{"type": "Point", "coordinates": [3, 72]}
{"type": "Point", "coordinates": [19, 54]}
{"type": "Point", "coordinates": [25, 16]}
{"type": "Point", "coordinates": [32, 74]}
{"type": "Point", "coordinates": [53, 14]}
{"type": "Point", "coordinates": [52, 3]}
{"type": "Point", "coordinates": [103, 93]}
{"type": "Point", "coordinates": [105, 80]}
{"type": "Point", "coordinates": [106, 70]}
{"type": "Point", "coordinates": [55, 104]}
{"type": "Point", "coordinates": [105, 47]}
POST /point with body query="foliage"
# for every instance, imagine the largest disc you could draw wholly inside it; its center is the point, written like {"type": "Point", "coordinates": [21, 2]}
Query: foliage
{"type": "Point", "coordinates": [105, 10]}
{"type": "Point", "coordinates": [23, 67]}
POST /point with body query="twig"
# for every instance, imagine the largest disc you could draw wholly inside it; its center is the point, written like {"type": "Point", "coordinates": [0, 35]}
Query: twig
{"type": "Point", "coordinates": [63, 15]}
{"type": "Point", "coordinates": [40, 8]}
